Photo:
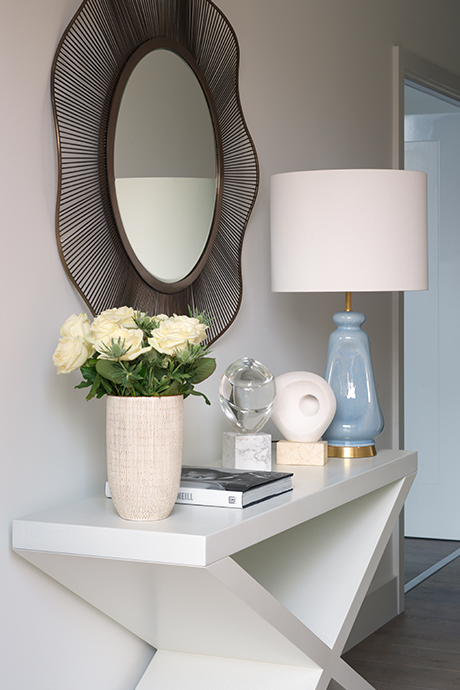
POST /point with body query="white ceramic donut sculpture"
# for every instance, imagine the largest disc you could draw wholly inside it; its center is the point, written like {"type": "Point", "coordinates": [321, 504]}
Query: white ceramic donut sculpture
{"type": "Point", "coordinates": [304, 407]}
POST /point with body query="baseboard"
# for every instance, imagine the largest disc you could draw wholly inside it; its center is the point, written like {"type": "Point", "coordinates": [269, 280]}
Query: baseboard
{"type": "Point", "coordinates": [379, 607]}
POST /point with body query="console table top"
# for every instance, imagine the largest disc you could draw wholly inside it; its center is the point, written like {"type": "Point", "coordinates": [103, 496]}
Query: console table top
{"type": "Point", "coordinates": [200, 535]}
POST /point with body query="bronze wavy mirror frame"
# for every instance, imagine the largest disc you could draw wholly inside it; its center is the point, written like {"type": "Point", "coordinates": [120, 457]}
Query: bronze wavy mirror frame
{"type": "Point", "coordinates": [88, 66]}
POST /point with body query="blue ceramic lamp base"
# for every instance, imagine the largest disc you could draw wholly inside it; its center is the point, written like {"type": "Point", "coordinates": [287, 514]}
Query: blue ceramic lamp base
{"type": "Point", "coordinates": [358, 420]}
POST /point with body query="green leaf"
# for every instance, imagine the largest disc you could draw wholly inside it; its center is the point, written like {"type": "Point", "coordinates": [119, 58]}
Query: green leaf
{"type": "Point", "coordinates": [88, 370]}
{"type": "Point", "coordinates": [203, 316]}
{"type": "Point", "coordinates": [203, 369]}
{"type": "Point", "coordinates": [139, 389]}
{"type": "Point", "coordinates": [94, 388]}
{"type": "Point", "coordinates": [85, 384]}
{"type": "Point", "coordinates": [108, 388]}
{"type": "Point", "coordinates": [113, 371]}
{"type": "Point", "coordinates": [174, 389]}
{"type": "Point", "coordinates": [117, 348]}
{"type": "Point", "coordinates": [198, 394]}
{"type": "Point", "coordinates": [144, 322]}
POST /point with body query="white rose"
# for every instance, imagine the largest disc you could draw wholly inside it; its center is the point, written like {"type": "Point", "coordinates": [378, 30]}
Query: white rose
{"type": "Point", "coordinates": [122, 315]}
{"type": "Point", "coordinates": [109, 321]}
{"type": "Point", "coordinates": [174, 334]}
{"type": "Point", "coordinates": [76, 326]}
{"type": "Point", "coordinates": [131, 338]}
{"type": "Point", "coordinates": [71, 354]}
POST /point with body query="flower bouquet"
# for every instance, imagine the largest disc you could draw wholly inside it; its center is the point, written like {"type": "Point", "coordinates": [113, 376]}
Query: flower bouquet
{"type": "Point", "coordinates": [127, 353]}
{"type": "Point", "coordinates": [146, 366]}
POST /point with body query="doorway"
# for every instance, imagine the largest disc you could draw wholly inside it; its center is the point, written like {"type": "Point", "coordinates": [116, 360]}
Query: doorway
{"type": "Point", "coordinates": [434, 90]}
{"type": "Point", "coordinates": [431, 319]}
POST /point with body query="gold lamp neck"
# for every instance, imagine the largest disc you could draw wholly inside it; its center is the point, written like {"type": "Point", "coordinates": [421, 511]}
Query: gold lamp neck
{"type": "Point", "coordinates": [348, 301]}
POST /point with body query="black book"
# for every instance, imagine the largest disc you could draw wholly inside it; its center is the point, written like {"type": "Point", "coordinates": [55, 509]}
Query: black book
{"type": "Point", "coordinates": [229, 487]}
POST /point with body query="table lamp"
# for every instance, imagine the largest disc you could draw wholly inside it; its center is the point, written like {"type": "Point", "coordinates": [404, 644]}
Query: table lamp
{"type": "Point", "coordinates": [349, 231]}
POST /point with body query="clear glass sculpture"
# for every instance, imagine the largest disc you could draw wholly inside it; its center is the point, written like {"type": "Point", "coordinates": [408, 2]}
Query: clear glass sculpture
{"type": "Point", "coordinates": [247, 393]}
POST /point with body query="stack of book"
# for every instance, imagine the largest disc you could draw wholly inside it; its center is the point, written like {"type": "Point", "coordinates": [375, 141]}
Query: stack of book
{"type": "Point", "coordinates": [231, 488]}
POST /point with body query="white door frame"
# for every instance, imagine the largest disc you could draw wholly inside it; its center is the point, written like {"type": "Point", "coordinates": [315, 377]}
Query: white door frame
{"type": "Point", "coordinates": [406, 65]}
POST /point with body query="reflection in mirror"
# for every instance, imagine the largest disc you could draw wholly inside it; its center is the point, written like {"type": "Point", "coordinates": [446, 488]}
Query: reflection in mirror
{"type": "Point", "coordinates": [165, 165]}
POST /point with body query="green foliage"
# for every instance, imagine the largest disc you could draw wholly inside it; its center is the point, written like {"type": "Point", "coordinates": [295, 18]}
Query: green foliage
{"type": "Point", "coordinates": [151, 373]}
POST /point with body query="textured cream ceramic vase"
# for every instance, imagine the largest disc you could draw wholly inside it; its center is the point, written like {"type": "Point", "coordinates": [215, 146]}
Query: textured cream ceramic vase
{"type": "Point", "coordinates": [144, 454]}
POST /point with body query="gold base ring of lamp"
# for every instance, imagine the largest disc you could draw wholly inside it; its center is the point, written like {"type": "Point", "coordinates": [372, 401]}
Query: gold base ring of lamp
{"type": "Point", "coordinates": [351, 452]}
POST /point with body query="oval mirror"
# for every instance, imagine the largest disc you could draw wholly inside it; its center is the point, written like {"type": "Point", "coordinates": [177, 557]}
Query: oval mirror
{"type": "Point", "coordinates": [194, 260]}
{"type": "Point", "coordinates": [164, 166]}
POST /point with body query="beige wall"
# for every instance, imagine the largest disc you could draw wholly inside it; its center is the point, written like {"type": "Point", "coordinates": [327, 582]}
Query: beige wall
{"type": "Point", "coordinates": [316, 87]}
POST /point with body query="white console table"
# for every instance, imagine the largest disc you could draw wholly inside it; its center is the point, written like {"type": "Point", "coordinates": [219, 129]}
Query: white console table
{"type": "Point", "coordinates": [259, 598]}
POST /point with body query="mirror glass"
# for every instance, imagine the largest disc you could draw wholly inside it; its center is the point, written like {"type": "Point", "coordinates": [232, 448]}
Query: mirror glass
{"type": "Point", "coordinates": [165, 165]}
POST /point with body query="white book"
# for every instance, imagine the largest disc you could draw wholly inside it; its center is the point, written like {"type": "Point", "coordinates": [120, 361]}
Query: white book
{"type": "Point", "coordinates": [229, 488]}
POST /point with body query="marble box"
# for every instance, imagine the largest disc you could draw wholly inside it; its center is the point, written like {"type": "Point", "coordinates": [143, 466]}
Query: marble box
{"type": "Point", "coordinates": [247, 451]}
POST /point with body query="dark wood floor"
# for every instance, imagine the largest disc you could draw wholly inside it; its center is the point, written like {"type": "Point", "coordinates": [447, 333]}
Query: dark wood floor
{"type": "Point", "coordinates": [420, 649]}
{"type": "Point", "coordinates": [421, 554]}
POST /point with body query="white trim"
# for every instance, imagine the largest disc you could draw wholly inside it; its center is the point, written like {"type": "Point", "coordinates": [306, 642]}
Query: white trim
{"type": "Point", "coordinates": [407, 65]}
{"type": "Point", "coordinates": [431, 571]}
{"type": "Point", "coordinates": [426, 74]}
